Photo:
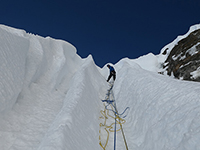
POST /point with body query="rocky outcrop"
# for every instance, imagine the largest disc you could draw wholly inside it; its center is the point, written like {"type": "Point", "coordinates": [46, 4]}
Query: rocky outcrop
{"type": "Point", "coordinates": [183, 60]}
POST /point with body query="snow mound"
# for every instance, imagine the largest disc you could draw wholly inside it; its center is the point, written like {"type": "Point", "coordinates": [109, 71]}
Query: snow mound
{"type": "Point", "coordinates": [148, 62]}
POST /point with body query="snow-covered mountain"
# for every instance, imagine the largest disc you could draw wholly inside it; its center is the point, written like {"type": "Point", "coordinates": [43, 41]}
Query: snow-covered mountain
{"type": "Point", "coordinates": [51, 99]}
{"type": "Point", "coordinates": [182, 56]}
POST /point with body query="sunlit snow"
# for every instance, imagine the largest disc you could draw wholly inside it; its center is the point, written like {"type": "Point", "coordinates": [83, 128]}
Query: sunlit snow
{"type": "Point", "coordinates": [51, 99]}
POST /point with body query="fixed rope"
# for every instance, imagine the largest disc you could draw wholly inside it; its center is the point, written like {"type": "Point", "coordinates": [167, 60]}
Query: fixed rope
{"type": "Point", "coordinates": [110, 112]}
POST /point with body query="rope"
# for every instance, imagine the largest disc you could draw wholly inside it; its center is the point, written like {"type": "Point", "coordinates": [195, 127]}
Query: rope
{"type": "Point", "coordinates": [115, 134]}
{"type": "Point", "coordinates": [123, 132]}
{"type": "Point", "coordinates": [108, 128]}
{"type": "Point", "coordinates": [110, 106]}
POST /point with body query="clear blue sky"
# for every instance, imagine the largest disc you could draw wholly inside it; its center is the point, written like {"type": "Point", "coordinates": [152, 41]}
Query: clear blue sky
{"type": "Point", "coordinates": [108, 29]}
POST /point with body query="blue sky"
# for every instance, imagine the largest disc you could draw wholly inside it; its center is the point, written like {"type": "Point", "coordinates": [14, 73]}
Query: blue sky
{"type": "Point", "coordinates": [109, 30]}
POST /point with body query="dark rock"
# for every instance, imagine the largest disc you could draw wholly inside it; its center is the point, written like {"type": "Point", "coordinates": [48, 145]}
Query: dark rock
{"type": "Point", "coordinates": [184, 57]}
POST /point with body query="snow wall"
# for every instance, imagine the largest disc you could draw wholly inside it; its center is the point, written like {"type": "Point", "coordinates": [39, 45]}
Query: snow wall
{"type": "Point", "coordinates": [46, 89]}
{"type": "Point", "coordinates": [51, 99]}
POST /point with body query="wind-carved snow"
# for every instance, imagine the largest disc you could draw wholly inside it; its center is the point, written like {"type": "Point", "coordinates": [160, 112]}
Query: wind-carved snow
{"type": "Point", "coordinates": [164, 112]}
{"type": "Point", "coordinates": [51, 99]}
{"type": "Point", "coordinates": [12, 68]}
{"type": "Point", "coordinates": [43, 71]}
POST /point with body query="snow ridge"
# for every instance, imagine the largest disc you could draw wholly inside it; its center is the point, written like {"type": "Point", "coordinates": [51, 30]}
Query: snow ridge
{"type": "Point", "coordinates": [169, 47]}
{"type": "Point", "coordinates": [51, 99]}
{"type": "Point", "coordinates": [37, 74]}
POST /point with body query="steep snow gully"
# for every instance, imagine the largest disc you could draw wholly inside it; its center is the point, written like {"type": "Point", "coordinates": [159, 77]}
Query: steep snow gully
{"type": "Point", "coordinates": [51, 99]}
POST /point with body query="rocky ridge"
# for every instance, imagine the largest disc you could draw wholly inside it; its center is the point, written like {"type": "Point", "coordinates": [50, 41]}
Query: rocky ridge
{"type": "Point", "coordinates": [183, 60]}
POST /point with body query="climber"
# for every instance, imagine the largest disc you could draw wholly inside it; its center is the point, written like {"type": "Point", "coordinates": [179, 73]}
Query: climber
{"type": "Point", "coordinates": [112, 73]}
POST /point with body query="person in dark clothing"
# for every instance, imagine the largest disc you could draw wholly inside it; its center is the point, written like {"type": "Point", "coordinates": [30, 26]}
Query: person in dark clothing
{"type": "Point", "coordinates": [112, 73]}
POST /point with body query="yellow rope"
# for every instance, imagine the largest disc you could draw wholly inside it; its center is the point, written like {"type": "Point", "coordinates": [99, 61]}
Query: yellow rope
{"type": "Point", "coordinates": [108, 128]}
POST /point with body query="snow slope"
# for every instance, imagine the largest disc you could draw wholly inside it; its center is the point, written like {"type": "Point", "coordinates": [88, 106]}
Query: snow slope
{"type": "Point", "coordinates": [164, 112]}
{"type": "Point", "coordinates": [51, 99]}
